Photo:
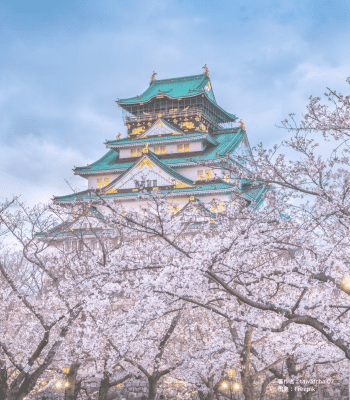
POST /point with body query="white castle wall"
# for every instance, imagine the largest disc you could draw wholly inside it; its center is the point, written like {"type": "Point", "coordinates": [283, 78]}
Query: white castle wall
{"type": "Point", "coordinates": [170, 148]}
{"type": "Point", "coordinates": [92, 180]}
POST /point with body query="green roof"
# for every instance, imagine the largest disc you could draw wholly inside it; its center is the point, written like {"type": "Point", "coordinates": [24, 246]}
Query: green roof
{"type": "Point", "coordinates": [88, 194]}
{"type": "Point", "coordinates": [254, 194]}
{"type": "Point", "coordinates": [228, 140]}
{"type": "Point", "coordinates": [167, 138]}
{"type": "Point", "coordinates": [173, 88]}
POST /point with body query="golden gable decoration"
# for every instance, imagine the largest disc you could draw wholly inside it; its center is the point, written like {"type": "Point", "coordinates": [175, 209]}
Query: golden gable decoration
{"type": "Point", "coordinates": [146, 161]}
{"type": "Point", "coordinates": [180, 185]}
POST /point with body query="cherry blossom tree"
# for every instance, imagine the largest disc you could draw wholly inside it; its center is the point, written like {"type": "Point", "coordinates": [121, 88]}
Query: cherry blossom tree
{"type": "Point", "coordinates": [261, 290]}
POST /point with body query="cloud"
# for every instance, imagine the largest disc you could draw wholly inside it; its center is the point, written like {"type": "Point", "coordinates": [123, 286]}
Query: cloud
{"type": "Point", "coordinates": [63, 65]}
{"type": "Point", "coordinates": [35, 169]}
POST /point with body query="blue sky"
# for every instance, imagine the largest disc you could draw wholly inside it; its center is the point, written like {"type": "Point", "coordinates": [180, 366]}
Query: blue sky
{"type": "Point", "coordinates": [64, 63]}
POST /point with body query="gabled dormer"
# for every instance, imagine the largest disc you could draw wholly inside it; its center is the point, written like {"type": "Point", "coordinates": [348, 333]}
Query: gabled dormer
{"type": "Point", "coordinates": [148, 173]}
{"type": "Point", "coordinates": [161, 128]}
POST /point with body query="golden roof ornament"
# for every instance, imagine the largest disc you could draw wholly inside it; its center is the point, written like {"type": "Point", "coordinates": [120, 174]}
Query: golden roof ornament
{"type": "Point", "coordinates": [145, 150]}
{"type": "Point", "coordinates": [153, 77]}
{"type": "Point", "coordinates": [206, 70]}
{"type": "Point", "coordinates": [119, 136]}
{"type": "Point", "coordinates": [242, 126]}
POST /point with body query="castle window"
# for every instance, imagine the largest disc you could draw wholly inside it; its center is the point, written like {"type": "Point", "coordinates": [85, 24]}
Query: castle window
{"type": "Point", "coordinates": [149, 183]}
{"type": "Point", "coordinates": [99, 183]}
{"type": "Point", "coordinates": [136, 152]}
{"type": "Point", "coordinates": [200, 175]}
{"type": "Point", "coordinates": [227, 177]}
{"type": "Point", "coordinates": [80, 245]}
{"type": "Point", "coordinates": [106, 181]}
{"type": "Point", "coordinates": [221, 206]}
{"type": "Point", "coordinates": [155, 182]}
{"type": "Point", "coordinates": [187, 147]}
{"type": "Point", "coordinates": [67, 246]}
{"type": "Point", "coordinates": [156, 150]}
{"type": "Point", "coordinates": [208, 174]}
{"type": "Point", "coordinates": [163, 149]}
{"type": "Point", "coordinates": [180, 148]}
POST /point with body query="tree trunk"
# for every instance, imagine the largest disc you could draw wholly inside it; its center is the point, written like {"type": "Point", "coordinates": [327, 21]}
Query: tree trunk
{"type": "Point", "coordinates": [3, 380]}
{"type": "Point", "coordinates": [248, 389]}
{"type": "Point", "coordinates": [152, 388]}
{"type": "Point", "coordinates": [292, 372]}
{"type": "Point", "coordinates": [73, 388]}
{"type": "Point", "coordinates": [247, 381]}
{"type": "Point", "coordinates": [104, 387]}
{"type": "Point", "coordinates": [210, 395]}
{"type": "Point", "coordinates": [265, 385]}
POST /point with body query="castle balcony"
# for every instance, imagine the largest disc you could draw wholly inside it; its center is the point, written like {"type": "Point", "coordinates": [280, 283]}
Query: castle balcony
{"type": "Point", "coordinates": [174, 113]}
{"type": "Point", "coordinates": [163, 113]}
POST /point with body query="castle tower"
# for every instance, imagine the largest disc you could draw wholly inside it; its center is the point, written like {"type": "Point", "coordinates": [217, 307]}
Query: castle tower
{"type": "Point", "coordinates": [176, 139]}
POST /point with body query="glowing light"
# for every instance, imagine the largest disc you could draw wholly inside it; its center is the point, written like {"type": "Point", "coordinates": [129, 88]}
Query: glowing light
{"type": "Point", "coordinates": [66, 384]}
{"type": "Point", "coordinates": [224, 385]}
{"type": "Point", "coordinates": [236, 386]}
{"type": "Point", "coordinates": [54, 298]}
{"type": "Point", "coordinates": [58, 384]}
{"type": "Point", "coordinates": [346, 282]}
{"type": "Point", "coordinates": [43, 383]}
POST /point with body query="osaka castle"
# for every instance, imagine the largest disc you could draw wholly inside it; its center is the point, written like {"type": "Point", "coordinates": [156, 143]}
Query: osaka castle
{"type": "Point", "coordinates": [176, 139]}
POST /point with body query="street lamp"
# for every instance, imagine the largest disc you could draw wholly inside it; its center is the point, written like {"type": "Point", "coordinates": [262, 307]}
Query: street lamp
{"type": "Point", "coordinates": [236, 386]}
{"type": "Point", "coordinates": [346, 282]}
{"type": "Point", "coordinates": [232, 386]}
{"type": "Point", "coordinates": [58, 385]}
{"type": "Point", "coordinates": [224, 385]}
